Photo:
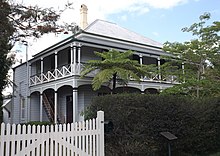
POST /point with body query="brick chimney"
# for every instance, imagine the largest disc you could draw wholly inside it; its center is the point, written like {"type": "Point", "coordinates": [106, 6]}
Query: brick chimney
{"type": "Point", "coordinates": [83, 16]}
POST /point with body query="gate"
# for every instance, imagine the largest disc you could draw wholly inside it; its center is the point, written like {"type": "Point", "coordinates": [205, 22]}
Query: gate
{"type": "Point", "coordinates": [84, 138]}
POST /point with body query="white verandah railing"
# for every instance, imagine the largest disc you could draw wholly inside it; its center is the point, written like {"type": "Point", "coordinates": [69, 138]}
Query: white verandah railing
{"type": "Point", "coordinates": [75, 69]}
{"type": "Point", "coordinates": [76, 139]}
{"type": "Point", "coordinates": [55, 74]}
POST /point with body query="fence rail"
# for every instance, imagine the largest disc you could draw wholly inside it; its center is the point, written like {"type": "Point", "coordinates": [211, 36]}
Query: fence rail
{"type": "Point", "coordinates": [84, 138]}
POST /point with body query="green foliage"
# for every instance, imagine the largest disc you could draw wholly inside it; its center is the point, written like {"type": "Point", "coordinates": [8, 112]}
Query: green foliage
{"type": "Point", "coordinates": [114, 66]}
{"type": "Point", "coordinates": [6, 31]}
{"type": "Point", "coordinates": [138, 120]}
{"type": "Point", "coordinates": [34, 21]}
{"type": "Point", "coordinates": [19, 22]}
{"type": "Point", "coordinates": [200, 57]}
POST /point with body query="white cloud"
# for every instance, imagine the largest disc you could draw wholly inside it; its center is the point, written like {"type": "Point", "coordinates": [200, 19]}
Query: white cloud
{"type": "Point", "coordinates": [155, 34]}
{"type": "Point", "coordinates": [164, 4]}
{"type": "Point", "coordinates": [123, 17]}
{"type": "Point", "coordinates": [102, 8]}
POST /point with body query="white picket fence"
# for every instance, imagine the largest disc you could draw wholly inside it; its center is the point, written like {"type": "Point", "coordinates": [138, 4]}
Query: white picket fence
{"type": "Point", "coordinates": [77, 139]}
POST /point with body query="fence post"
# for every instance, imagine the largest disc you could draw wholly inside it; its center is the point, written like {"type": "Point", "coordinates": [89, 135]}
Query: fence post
{"type": "Point", "coordinates": [100, 117]}
{"type": "Point", "coordinates": [2, 139]}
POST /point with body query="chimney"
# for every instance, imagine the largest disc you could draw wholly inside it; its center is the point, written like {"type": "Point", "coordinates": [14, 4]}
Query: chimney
{"type": "Point", "coordinates": [83, 16]}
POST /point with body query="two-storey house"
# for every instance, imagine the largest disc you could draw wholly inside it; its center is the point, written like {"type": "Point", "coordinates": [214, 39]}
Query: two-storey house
{"type": "Point", "coordinates": [49, 87]}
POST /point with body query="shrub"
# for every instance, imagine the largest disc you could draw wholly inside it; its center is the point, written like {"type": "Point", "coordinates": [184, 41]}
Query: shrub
{"type": "Point", "coordinates": [139, 119]}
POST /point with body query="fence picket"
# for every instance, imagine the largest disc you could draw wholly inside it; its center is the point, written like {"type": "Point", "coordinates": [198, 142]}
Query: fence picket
{"type": "Point", "coordinates": [38, 141]}
{"type": "Point", "coordinates": [93, 138]}
{"type": "Point", "coordinates": [59, 135]}
{"type": "Point", "coordinates": [18, 148]}
{"type": "Point", "coordinates": [87, 137]}
{"type": "Point", "coordinates": [42, 137]}
{"type": "Point", "coordinates": [51, 140]}
{"type": "Point", "coordinates": [72, 139]}
{"type": "Point", "coordinates": [33, 140]}
{"type": "Point", "coordinates": [55, 140]}
{"type": "Point", "coordinates": [47, 141]}
{"type": "Point", "coordinates": [68, 139]}
{"type": "Point", "coordinates": [80, 137]}
{"type": "Point", "coordinates": [84, 138]}
{"type": "Point", "coordinates": [23, 138]}
{"type": "Point", "coordinates": [13, 143]}
{"type": "Point", "coordinates": [76, 138]}
{"type": "Point", "coordinates": [2, 139]}
{"type": "Point", "coordinates": [30, 140]}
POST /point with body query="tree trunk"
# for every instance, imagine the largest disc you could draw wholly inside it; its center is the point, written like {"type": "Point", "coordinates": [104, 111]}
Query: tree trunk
{"type": "Point", "coordinates": [114, 82]}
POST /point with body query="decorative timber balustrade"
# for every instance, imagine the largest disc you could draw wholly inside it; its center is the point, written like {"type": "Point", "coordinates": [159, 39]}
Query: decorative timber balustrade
{"type": "Point", "coordinates": [84, 138]}
{"type": "Point", "coordinates": [75, 69]}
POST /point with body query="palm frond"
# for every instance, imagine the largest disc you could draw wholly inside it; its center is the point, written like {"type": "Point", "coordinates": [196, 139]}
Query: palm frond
{"type": "Point", "coordinates": [115, 62]}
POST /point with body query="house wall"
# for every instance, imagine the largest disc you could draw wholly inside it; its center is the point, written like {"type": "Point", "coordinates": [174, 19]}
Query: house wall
{"type": "Point", "coordinates": [19, 91]}
{"type": "Point", "coordinates": [35, 107]}
{"type": "Point", "coordinates": [85, 95]}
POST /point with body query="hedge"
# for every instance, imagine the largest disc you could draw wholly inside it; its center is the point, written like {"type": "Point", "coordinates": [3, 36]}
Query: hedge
{"type": "Point", "coordinates": [139, 119]}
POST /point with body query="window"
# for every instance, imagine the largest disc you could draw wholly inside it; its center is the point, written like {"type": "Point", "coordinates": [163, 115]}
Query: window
{"type": "Point", "coordinates": [22, 103]}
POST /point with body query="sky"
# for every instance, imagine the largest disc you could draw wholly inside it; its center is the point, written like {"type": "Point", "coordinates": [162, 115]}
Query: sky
{"type": "Point", "coordinates": [160, 20]}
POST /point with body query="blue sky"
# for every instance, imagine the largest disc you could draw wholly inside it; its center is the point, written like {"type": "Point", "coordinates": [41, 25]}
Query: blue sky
{"type": "Point", "coordinates": [165, 24]}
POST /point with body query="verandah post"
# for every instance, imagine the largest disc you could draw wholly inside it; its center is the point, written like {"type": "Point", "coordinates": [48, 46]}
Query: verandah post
{"type": "Point", "coordinates": [100, 117]}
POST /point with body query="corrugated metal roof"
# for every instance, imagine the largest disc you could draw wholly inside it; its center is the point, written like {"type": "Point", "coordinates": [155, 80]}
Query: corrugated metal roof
{"type": "Point", "coordinates": [109, 29]}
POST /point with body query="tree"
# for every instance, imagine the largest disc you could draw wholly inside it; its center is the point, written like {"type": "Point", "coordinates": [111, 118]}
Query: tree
{"type": "Point", "coordinates": [200, 57]}
{"type": "Point", "coordinates": [19, 22]}
{"type": "Point", "coordinates": [6, 31]}
{"type": "Point", "coordinates": [115, 66]}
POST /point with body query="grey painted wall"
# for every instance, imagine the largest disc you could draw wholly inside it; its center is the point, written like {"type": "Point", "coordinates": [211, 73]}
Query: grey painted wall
{"type": "Point", "coordinates": [19, 92]}
{"type": "Point", "coordinates": [35, 107]}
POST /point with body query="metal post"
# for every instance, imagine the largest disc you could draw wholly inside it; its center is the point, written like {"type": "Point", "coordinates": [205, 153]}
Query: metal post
{"type": "Point", "coordinates": [169, 149]}
{"type": "Point", "coordinates": [27, 82]}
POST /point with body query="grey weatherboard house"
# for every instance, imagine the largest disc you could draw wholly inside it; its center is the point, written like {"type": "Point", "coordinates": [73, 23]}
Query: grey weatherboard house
{"type": "Point", "coordinates": [49, 88]}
